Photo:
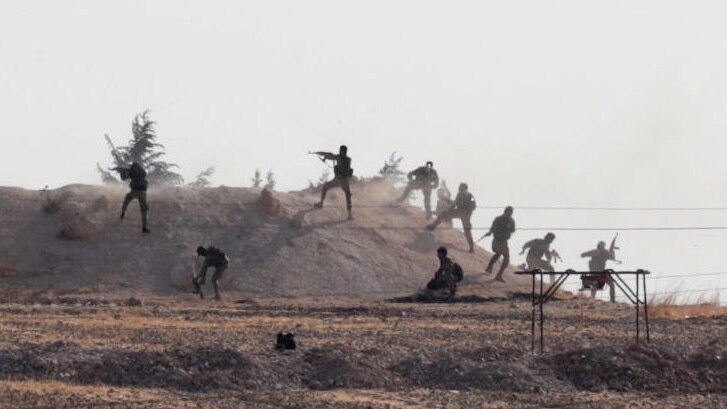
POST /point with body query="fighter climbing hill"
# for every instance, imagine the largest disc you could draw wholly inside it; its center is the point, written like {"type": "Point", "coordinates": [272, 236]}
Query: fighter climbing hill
{"type": "Point", "coordinates": [342, 172]}
{"type": "Point", "coordinates": [423, 178]}
{"type": "Point", "coordinates": [138, 186]}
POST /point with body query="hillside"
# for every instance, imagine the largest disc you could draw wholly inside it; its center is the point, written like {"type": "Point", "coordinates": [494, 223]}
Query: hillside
{"type": "Point", "coordinates": [71, 239]}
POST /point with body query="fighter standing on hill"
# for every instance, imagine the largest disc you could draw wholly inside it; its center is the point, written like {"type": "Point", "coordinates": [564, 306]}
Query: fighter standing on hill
{"type": "Point", "coordinates": [502, 228]}
{"type": "Point", "coordinates": [342, 172]}
{"type": "Point", "coordinates": [138, 186]}
{"type": "Point", "coordinates": [464, 205]}
{"type": "Point", "coordinates": [213, 257]}
{"type": "Point", "coordinates": [426, 179]}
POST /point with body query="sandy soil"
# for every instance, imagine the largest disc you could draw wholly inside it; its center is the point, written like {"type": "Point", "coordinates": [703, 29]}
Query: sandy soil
{"type": "Point", "coordinates": [80, 243]}
{"type": "Point", "coordinates": [70, 352]}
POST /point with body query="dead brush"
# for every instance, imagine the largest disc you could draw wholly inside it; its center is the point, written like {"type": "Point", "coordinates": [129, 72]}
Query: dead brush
{"type": "Point", "coordinates": [54, 200]}
{"type": "Point", "coordinates": [670, 306]}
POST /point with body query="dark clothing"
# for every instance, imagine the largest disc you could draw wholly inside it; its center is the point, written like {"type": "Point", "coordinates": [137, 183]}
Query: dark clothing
{"type": "Point", "coordinates": [343, 173]}
{"type": "Point", "coordinates": [537, 249]}
{"type": "Point", "coordinates": [539, 264]}
{"type": "Point", "coordinates": [424, 175]}
{"type": "Point", "coordinates": [598, 260]}
{"type": "Point", "coordinates": [214, 258]}
{"type": "Point", "coordinates": [464, 205]}
{"type": "Point", "coordinates": [599, 257]}
{"type": "Point", "coordinates": [138, 186]}
{"type": "Point", "coordinates": [344, 184]}
{"type": "Point", "coordinates": [137, 174]}
{"type": "Point", "coordinates": [425, 179]}
{"type": "Point", "coordinates": [139, 195]}
{"type": "Point", "coordinates": [502, 227]}
{"type": "Point", "coordinates": [464, 215]}
{"type": "Point", "coordinates": [426, 189]}
{"type": "Point", "coordinates": [444, 278]}
{"type": "Point", "coordinates": [465, 201]}
{"type": "Point", "coordinates": [343, 166]}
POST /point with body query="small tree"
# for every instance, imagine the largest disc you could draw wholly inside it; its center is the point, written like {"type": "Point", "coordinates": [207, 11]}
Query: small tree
{"type": "Point", "coordinates": [270, 180]}
{"type": "Point", "coordinates": [106, 177]}
{"type": "Point", "coordinates": [144, 149]}
{"type": "Point", "coordinates": [203, 178]}
{"type": "Point", "coordinates": [392, 167]}
{"type": "Point", "coordinates": [257, 179]}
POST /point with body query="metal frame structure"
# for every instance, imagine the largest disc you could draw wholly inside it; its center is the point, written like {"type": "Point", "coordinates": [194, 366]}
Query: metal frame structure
{"type": "Point", "coordinates": [540, 297]}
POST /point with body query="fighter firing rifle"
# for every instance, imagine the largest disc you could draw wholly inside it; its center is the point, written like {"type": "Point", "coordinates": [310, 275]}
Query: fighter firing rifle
{"type": "Point", "coordinates": [323, 156]}
{"type": "Point", "coordinates": [122, 170]}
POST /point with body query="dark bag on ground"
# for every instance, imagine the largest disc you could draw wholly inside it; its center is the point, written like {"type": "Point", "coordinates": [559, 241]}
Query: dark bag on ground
{"type": "Point", "coordinates": [286, 341]}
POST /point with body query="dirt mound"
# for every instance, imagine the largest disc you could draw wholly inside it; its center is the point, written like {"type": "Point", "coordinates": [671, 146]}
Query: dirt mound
{"type": "Point", "coordinates": [341, 367]}
{"type": "Point", "coordinates": [279, 246]}
{"type": "Point", "coordinates": [640, 368]}
{"type": "Point", "coordinates": [191, 369]}
{"type": "Point", "coordinates": [488, 369]}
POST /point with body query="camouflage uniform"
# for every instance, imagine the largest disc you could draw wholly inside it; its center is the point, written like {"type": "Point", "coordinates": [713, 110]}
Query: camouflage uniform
{"type": "Point", "coordinates": [342, 176]}
{"type": "Point", "coordinates": [444, 280]}
{"type": "Point", "coordinates": [464, 205]}
{"type": "Point", "coordinates": [423, 178]}
{"type": "Point", "coordinates": [138, 186]}
{"type": "Point", "coordinates": [214, 257]}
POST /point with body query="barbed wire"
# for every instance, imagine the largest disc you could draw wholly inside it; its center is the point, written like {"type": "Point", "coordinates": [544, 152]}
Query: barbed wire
{"type": "Point", "coordinates": [704, 290]}
{"type": "Point", "coordinates": [40, 198]}
{"type": "Point", "coordinates": [325, 225]}
{"type": "Point", "coordinates": [689, 275]}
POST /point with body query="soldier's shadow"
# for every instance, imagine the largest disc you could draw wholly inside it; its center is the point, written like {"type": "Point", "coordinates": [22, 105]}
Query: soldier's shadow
{"type": "Point", "coordinates": [291, 228]}
{"type": "Point", "coordinates": [424, 242]}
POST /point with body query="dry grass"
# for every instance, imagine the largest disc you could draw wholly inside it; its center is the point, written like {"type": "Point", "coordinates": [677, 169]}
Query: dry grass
{"type": "Point", "coordinates": [671, 306]}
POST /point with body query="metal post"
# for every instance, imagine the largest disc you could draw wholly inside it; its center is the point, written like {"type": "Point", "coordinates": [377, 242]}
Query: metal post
{"type": "Point", "coordinates": [532, 321]}
{"type": "Point", "coordinates": [638, 300]}
{"type": "Point", "coordinates": [646, 307]}
{"type": "Point", "coordinates": [541, 312]}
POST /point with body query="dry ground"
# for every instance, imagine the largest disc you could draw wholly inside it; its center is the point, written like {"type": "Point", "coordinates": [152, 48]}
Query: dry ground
{"type": "Point", "coordinates": [186, 353]}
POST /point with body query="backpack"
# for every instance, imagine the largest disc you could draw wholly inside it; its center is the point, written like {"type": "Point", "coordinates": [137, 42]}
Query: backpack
{"type": "Point", "coordinates": [285, 341]}
{"type": "Point", "coordinates": [216, 256]}
{"type": "Point", "coordinates": [457, 272]}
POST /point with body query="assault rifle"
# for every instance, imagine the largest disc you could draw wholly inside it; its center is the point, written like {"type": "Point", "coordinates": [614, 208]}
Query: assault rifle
{"type": "Point", "coordinates": [123, 171]}
{"type": "Point", "coordinates": [613, 249]}
{"type": "Point", "coordinates": [555, 256]}
{"type": "Point", "coordinates": [323, 156]}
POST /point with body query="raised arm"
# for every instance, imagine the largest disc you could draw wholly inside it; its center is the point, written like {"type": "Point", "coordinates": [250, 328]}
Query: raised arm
{"type": "Point", "coordinates": [410, 175]}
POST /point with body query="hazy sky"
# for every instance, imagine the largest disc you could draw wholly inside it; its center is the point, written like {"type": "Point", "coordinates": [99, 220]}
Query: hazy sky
{"type": "Point", "coordinates": [532, 102]}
